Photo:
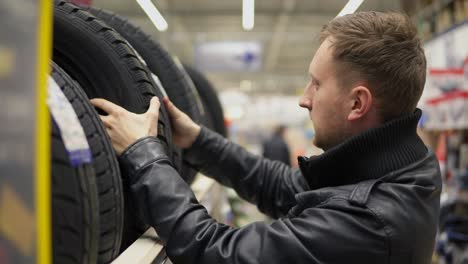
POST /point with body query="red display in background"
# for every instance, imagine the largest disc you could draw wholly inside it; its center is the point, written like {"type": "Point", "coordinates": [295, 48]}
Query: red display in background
{"type": "Point", "coordinates": [448, 97]}
{"type": "Point", "coordinates": [448, 107]}
{"type": "Point", "coordinates": [82, 2]}
{"type": "Point", "coordinates": [441, 152]}
{"type": "Point", "coordinates": [453, 71]}
{"type": "Point", "coordinates": [447, 80]}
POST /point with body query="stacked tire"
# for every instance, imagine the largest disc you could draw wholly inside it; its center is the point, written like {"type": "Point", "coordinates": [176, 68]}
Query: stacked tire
{"type": "Point", "coordinates": [99, 54]}
{"type": "Point", "coordinates": [161, 64]}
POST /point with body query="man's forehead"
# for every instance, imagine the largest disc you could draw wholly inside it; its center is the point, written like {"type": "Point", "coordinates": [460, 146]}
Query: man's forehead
{"type": "Point", "coordinates": [310, 71]}
{"type": "Point", "coordinates": [322, 58]}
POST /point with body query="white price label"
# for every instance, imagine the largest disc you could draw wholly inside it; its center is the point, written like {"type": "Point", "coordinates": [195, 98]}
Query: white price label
{"type": "Point", "coordinates": [72, 132]}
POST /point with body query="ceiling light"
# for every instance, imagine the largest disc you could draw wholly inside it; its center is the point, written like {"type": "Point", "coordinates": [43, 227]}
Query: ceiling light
{"type": "Point", "coordinates": [350, 7]}
{"type": "Point", "coordinates": [248, 13]}
{"type": "Point", "coordinates": [153, 14]}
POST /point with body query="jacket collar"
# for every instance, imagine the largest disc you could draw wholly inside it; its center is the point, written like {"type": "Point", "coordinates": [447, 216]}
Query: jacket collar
{"type": "Point", "coordinates": [369, 155]}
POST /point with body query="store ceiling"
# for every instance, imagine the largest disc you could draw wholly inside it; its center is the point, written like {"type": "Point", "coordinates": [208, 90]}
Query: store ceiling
{"type": "Point", "coordinates": [286, 29]}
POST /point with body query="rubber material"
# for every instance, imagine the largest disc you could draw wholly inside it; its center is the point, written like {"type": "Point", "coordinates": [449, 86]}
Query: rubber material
{"type": "Point", "coordinates": [211, 103]}
{"type": "Point", "coordinates": [159, 62]}
{"type": "Point", "coordinates": [106, 167]}
{"type": "Point", "coordinates": [103, 63]}
{"type": "Point", "coordinates": [75, 208]}
{"type": "Point", "coordinates": [157, 59]}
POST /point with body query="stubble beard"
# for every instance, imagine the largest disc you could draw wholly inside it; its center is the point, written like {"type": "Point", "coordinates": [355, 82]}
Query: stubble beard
{"type": "Point", "coordinates": [330, 139]}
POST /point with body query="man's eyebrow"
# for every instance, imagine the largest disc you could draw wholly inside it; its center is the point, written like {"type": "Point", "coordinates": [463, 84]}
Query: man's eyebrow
{"type": "Point", "coordinates": [313, 78]}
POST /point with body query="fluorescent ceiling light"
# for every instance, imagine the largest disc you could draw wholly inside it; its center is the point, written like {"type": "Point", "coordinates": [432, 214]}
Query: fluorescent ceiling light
{"type": "Point", "coordinates": [153, 14]}
{"type": "Point", "coordinates": [350, 7]}
{"type": "Point", "coordinates": [248, 13]}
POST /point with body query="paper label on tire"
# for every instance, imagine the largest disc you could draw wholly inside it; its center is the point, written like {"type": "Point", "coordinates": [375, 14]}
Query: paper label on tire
{"type": "Point", "coordinates": [71, 131]}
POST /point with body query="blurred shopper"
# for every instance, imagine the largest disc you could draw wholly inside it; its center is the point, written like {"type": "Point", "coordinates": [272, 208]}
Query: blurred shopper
{"type": "Point", "coordinates": [276, 148]}
{"type": "Point", "coordinates": [371, 197]}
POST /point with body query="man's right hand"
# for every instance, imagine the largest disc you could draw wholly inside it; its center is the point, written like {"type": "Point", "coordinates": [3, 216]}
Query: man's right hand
{"type": "Point", "coordinates": [184, 130]}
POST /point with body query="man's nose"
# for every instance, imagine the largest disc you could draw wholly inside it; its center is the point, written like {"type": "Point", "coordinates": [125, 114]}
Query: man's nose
{"type": "Point", "coordinates": [305, 102]}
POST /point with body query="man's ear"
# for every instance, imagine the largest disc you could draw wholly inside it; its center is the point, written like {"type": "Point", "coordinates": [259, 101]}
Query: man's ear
{"type": "Point", "coordinates": [361, 102]}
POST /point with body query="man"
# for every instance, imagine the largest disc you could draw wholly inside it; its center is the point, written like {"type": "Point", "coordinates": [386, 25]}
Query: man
{"type": "Point", "coordinates": [276, 148]}
{"type": "Point", "coordinates": [371, 197]}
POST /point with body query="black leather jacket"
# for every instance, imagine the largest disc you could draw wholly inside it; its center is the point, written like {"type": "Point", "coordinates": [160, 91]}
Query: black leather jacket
{"type": "Point", "coordinates": [372, 199]}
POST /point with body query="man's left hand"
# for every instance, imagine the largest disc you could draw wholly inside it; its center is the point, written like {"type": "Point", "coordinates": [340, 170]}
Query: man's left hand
{"type": "Point", "coordinates": [124, 127]}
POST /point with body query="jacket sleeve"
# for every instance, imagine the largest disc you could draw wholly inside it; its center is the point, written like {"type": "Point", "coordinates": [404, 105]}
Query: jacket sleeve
{"type": "Point", "coordinates": [271, 185]}
{"type": "Point", "coordinates": [167, 203]}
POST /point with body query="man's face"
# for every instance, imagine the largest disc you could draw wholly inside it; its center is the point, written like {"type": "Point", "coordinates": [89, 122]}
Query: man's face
{"type": "Point", "coordinates": [325, 99]}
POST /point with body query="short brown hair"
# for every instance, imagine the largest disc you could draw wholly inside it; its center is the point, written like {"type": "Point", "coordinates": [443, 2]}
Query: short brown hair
{"type": "Point", "coordinates": [382, 49]}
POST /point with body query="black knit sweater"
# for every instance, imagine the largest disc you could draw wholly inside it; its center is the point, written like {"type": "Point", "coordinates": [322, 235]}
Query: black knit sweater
{"type": "Point", "coordinates": [371, 154]}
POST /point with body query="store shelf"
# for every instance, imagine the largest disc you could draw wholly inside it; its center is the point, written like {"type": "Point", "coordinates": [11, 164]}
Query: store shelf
{"type": "Point", "coordinates": [439, 15]}
{"type": "Point", "coordinates": [144, 250]}
{"type": "Point", "coordinates": [148, 247]}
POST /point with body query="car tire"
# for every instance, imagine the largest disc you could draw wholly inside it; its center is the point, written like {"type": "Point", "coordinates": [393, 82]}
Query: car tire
{"type": "Point", "coordinates": [105, 66]}
{"type": "Point", "coordinates": [106, 167]}
{"type": "Point", "coordinates": [210, 100]}
{"type": "Point", "coordinates": [75, 207]}
{"type": "Point", "coordinates": [157, 59]}
{"type": "Point", "coordinates": [162, 65]}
